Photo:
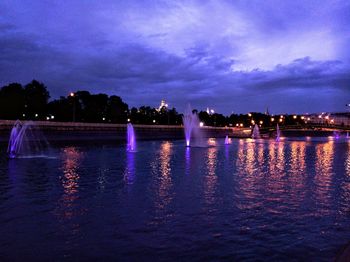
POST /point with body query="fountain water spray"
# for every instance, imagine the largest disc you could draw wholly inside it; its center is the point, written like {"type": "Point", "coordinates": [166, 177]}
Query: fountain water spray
{"type": "Point", "coordinates": [131, 141]}
{"type": "Point", "coordinates": [193, 133]}
{"type": "Point", "coordinates": [278, 133]}
{"type": "Point", "coordinates": [347, 134]}
{"type": "Point", "coordinates": [227, 140]}
{"type": "Point", "coordinates": [256, 132]}
{"type": "Point", "coordinates": [26, 140]}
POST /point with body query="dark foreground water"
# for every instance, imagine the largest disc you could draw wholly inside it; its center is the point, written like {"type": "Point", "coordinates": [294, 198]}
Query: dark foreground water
{"type": "Point", "coordinates": [246, 201]}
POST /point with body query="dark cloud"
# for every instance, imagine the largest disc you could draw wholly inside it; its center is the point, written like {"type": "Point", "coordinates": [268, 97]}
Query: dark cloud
{"type": "Point", "coordinates": [247, 57]}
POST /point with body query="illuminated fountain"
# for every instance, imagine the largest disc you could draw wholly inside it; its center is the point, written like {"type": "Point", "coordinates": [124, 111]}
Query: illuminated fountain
{"type": "Point", "coordinates": [278, 133]}
{"type": "Point", "coordinates": [256, 132]}
{"type": "Point", "coordinates": [227, 140]}
{"type": "Point", "coordinates": [347, 135]}
{"type": "Point", "coordinates": [336, 134]}
{"type": "Point", "coordinates": [26, 140]}
{"type": "Point", "coordinates": [193, 133]}
{"type": "Point", "coordinates": [131, 141]}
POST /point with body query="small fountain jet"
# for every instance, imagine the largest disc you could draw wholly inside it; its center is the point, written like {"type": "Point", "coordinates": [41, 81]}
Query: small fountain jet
{"type": "Point", "coordinates": [278, 133]}
{"type": "Point", "coordinates": [256, 132]}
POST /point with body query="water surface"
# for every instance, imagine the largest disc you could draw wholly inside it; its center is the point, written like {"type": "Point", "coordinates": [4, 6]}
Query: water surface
{"type": "Point", "coordinates": [244, 201]}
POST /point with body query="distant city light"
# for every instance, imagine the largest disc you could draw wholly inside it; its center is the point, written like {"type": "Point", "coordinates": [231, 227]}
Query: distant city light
{"type": "Point", "coordinates": [332, 121]}
{"type": "Point", "coordinates": [103, 118]}
{"type": "Point", "coordinates": [24, 115]}
{"type": "Point", "coordinates": [281, 116]}
{"type": "Point", "coordinates": [295, 117]}
{"type": "Point", "coordinates": [71, 94]}
{"type": "Point", "coordinates": [327, 117]}
{"type": "Point", "coordinates": [201, 124]}
{"type": "Point", "coordinates": [302, 117]}
{"type": "Point", "coordinates": [261, 122]}
{"type": "Point", "coordinates": [154, 120]}
{"type": "Point", "coordinates": [281, 119]}
{"type": "Point", "coordinates": [128, 119]}
{"type": "Point", "coordinates": [253, 122]}
{"type": "Point", "coordinates": [52, 117]}
{"type": "Point", "coordinates": [36, 115]}
{"type": "Point", "coordinates": [320, 116]}
{"type": "Point", "coordinates": [272, 119]}
{"type": "Point", "coordinates": [249, 114]}
{"type": "Point", "coordinates": [47, 118]}
{"type": "Point", "coordinates": [241, 125]}
{"type": "Point", "coordinates": [212, 111]}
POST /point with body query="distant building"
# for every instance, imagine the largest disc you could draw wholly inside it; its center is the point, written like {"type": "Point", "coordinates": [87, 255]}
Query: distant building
{"type": "Point", "coordinates": [162, 104]}
{"type": "Point", "coordinates": [338, 119]}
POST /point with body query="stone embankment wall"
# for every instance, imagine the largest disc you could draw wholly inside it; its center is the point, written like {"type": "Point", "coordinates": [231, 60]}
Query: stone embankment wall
{"type": "Point", "coordinates": [68, 131]}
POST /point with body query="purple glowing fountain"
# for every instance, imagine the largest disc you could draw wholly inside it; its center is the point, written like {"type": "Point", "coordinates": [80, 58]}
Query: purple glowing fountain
{"type": "Point", "coordinates": [278, 133]}
{"type": "Point", "coordinates": [193, 133]}
{"type": "Point", "coordinates": [131, 141]}
{"type": "Point", "coordinates": [26, 140]}
{"type": "Point", "coordinates": [256, 132]}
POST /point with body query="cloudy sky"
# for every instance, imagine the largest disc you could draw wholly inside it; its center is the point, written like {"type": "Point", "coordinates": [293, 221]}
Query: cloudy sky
{"type": "Point", "coordinates": [234, 56]}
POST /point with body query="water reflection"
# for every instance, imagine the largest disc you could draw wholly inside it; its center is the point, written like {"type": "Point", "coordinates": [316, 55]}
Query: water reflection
{"type": "Point", "coordinates": [70, 183]}
{"type": "Point", "coordinates": [324, 173]}
{"type": "Point", "coordinates": [297, 173]}
{"type": "Point", "coordinates": [249, 176]}
{"type": "Point", "coordinates": [187, 160]}
{"type": "Point", "coordinates": [347, 163]}
{"type": "Point", "coordinates": [211, 178]}
{"type": "Point", "coordinates": [129, 173]}
{"type": "Point", "coordinates": [162, 170]}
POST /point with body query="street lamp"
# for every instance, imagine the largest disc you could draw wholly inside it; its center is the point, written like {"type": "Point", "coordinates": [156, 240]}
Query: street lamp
{"type": "Point", "coordinates": [72, 96]}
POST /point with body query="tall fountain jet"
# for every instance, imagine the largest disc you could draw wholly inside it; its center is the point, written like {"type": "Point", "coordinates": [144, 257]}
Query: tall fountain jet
{"type": "Point", "coordinates": [256, 132]}
{"type": "Point", "coordinates": [278, 133]}
{"type": "Point", "coordinates": [26, 140]}
{"type": "Point", "coordinates": [131, 141]}
{"type": "Point", "coordinates": [193, 134]}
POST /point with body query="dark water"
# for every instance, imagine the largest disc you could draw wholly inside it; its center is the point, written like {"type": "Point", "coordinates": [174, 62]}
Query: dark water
{"type": "Point", "coordinates": [246, 201]}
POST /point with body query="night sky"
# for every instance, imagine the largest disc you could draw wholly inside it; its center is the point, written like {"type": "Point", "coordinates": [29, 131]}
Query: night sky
{"type": "Point", "coordinates": [233, 56]}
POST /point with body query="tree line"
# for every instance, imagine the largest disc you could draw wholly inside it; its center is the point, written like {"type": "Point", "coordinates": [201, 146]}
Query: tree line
{"type": "Point", "coordinates": [31, 102]}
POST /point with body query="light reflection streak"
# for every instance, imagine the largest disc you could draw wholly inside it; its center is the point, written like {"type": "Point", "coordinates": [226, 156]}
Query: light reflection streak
{"type": "Point", "coordinates": [324, 172]}
{"type": "Point", "coordinates": [249, 177]}
{"type": "Point", "coordinates": [297, 172]}
{"type": "Point", "coordinates": [210, 179]}
{"type": "Point", "coordinates": [70, 183]}
{"type": "Point", "coordinates": [129, 173]}
{"type": "Point", "coordinates": [163, 174]}
{"type": "Point", "coordinates": [275, 179]}
{"type": "Point", "coordinates": [345, 185]}
{"type": "Point", "coordinates": [187, 160]}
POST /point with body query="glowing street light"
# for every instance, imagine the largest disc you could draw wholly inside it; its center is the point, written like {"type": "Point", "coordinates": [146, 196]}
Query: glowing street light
{"type": "Point", "coordinates": [128, 119]}
{"type": "Point", "coordinates": [272, 119]}
{"type": "Point", "coordinates": [261, 122]}
{"type": "Point", "coordinates": [72, 95]}
{"type": "Point", "coordinates": [201, 124]}
{"type": "Point", "coordinates": [241, 125]}
{"type": "Point", "coordinates": [249, 114]}
{"type": "Point", "coordinates": [281, 120]}
{"type": "Point", "coordinates": [295, 117]}
{"type": "Point", "coordinates": [253, 122]}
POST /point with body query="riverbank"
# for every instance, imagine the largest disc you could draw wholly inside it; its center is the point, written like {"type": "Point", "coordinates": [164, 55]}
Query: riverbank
{"type": "Point", "coordinates": [69, 131]}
